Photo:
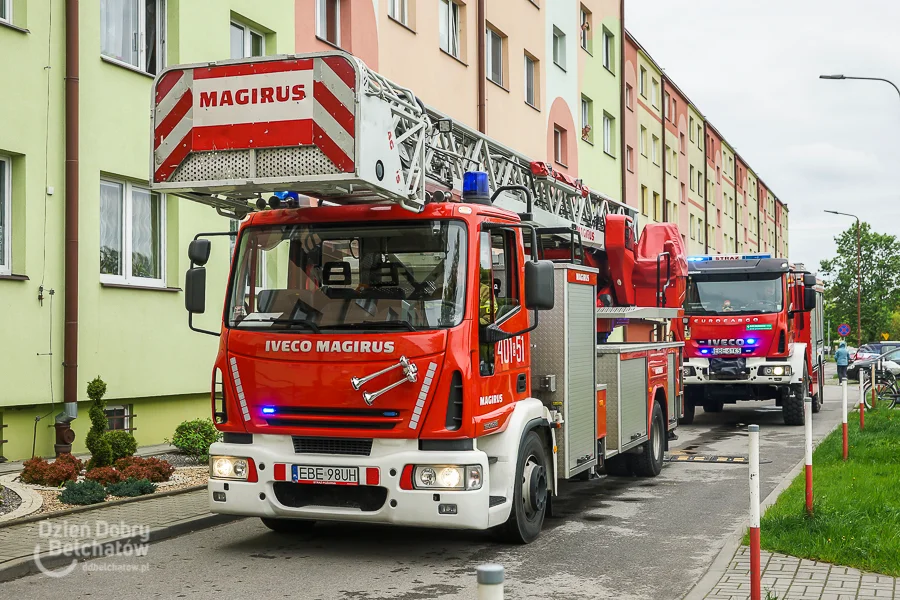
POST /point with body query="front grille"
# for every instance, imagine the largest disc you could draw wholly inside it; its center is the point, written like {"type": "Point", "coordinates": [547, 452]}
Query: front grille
{"type": "Point", "coordinates": [728, 369]}
{"type": "Point", "coordinates": [335, 418]}
{"type": "Point", "coordinates": [348, 447]}
{"type": "Point", "coordinates": [297, 495]}
{"type": "Point", "coordinates": [317, 424]}
{"type": "Point", "coordinates": [496, 500]}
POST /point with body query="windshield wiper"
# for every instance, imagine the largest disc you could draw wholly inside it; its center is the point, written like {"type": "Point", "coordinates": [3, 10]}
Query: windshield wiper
{"type": "Point", "coordinates": [402, 324]}
{"type": "Point", "coordinates": [282, 321]}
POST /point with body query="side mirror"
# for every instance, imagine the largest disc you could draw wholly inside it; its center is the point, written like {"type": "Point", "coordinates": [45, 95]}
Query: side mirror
{"type": "Point", "coordinates": [809, 280]}
{"type": "Point", "coordinates": [809, 299]}
{"type": "Point", "coordinates": [198, 252]}
{"type": "Point", "coordinates": [195, 287]}
{"type": "Point", "coordinates": [539, 285]}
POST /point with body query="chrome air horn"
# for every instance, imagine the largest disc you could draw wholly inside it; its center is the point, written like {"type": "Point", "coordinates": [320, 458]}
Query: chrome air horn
{"type": "Point", "coordinates": [357, 383]}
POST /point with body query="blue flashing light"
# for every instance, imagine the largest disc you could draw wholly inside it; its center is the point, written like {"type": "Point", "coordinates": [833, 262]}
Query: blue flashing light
{"type": "Point", "coordinates": [699, 258]}
{"type": "Point", "coordinates": [750, 340]}
{"type": "Point", "coordinates": [475, 186]}
{"type": "Point", "coordinates": [268, 410]}
{"type": "Point", "coordinates": [286, 195]}
{"type": "Point", "coordinates": [391, 413]}
{"type": "Point", "coordinates": [704, 351]}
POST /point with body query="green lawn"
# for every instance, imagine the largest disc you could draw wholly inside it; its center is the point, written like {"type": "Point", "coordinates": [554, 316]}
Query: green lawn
{"type": "Point", "coordinates": [857, 503]}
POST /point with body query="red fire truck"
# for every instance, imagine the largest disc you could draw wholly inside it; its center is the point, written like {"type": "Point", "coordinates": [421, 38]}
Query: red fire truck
{"type": "Point", "coordinates": [411, 326]}
{"type": "Point", "coordinates": [753, 328]}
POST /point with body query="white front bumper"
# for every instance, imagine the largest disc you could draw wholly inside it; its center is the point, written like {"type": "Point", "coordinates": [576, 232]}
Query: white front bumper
{"type": "Point", "coordinates": [701, 369]}
{"type": "Point", "coordinates": [402, 507]}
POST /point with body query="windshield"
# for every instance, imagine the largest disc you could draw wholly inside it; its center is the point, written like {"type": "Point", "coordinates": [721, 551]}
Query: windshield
{"type": "Point", "coordinates": [357, 277]}
{"type": "Point", "coordinates": [748, 294]}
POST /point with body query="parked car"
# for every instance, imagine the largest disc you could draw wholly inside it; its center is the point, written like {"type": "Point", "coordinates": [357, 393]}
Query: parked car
{"type": "Point", "coordinates": [874, 349]}
{"type": "Point", "coordinates": [890, 360]}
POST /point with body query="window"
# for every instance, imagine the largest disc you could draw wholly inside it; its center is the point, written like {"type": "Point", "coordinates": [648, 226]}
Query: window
{"type": "Point", "coordinates": [642, 82]}
{"type": "Point", "coordinates": [699, 135]}
{"type": "Point", "coordinates": [666, 114]}
{"type": "Point", "coordinates": [118, 417]}
{"type": "Point", "coordinates": [399, 10]}
{"type": "Point", "coordinates": [586, 29]}
{"type": "Point", "coordinates": [609, 134]}
{"type": "Point", "coordinates": [5, 213]}
{"type": "Point", "coordinates": [609, 50]}
{"type": "Point", "coordinates": [657, 208]}
{"type": "Point", "coordinates": [681, 144]}
{"type": "Point", "coordinates": [644, 207]}
{"type": "Point", "coordinates": [587, 119]}
{"type": "Point", "coordinates": [629, 96]}
{"type": "Point", "coordinates": [328, 21]}
{"type": "Point", "coordinates": [531, 79]}
{"type": "Point", "coordinates": [246, 42]}
{"type": "Point", "coordinates": [629, 158]}
{"type": "Point", "coordinates": [559, 47]}
{"type": "Point", "coordinates": [654, 150]}
{"type": "Point", "coordinates": [494, 52]}
{"type": "Point", "coordinates": [132, 234]}
{"type": "Point", "coordinates": [643, 140]}
{"type": "Point", "coordinates": [654, 93]}
{"type": "Point", "coordinates": [133, 32]}
{"type": "Point", "coordinates": [700, 182]}
{"type": "Point", "coordinates": [691, 127]}
{"type": "Point", "coordinates": [692, 178]}
{"type": "Point", "coordinates": [559, 145]}
{"type": "Point", "coordinates": [700, 230]}
{"type": "Point", "coordinates": [682, 195]}
{"type": "Point", "coordinates": [449, 26]}
{"type": "Point", "coordinates": [498, 270]}
{"type": "Point", "coordinates": [6, 11]}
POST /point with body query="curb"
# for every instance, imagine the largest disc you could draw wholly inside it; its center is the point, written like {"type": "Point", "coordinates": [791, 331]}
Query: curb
{"type": "Point", "coordinates": [101, 506]}
{"type": "Point", "coordinates": [720, 564]}
{"type": "Point", "coordinates": [20, 567]}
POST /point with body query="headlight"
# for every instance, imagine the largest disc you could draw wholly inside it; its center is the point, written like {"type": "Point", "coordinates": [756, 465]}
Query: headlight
{"type": "Point", "coordinates": [229, 467]}
{"type": "Point", "coordinates": [447, 477]}
{"type": "Point", "coordinates": [775, 371]}
{"type": "Point", "coordinates": [688, 371]}
{"type": "Point", "coordinates": [778, 371]}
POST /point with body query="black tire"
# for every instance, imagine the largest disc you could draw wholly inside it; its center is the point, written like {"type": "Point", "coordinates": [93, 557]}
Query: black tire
{"type": "Point", "coordinates": [792, 410]}
{"type": "Point", "coordinates": [618, 466]}
{"type": "Point", "coordinates": [649, 462]}
{"type": "Point", "coordinates": [288, 526]}
{"type": "Point", "coordinates": [689, 408]}
{"type": "Point", "coordinates": [714, 406]}
{"type": "Point", "coordinates": [527, 516]}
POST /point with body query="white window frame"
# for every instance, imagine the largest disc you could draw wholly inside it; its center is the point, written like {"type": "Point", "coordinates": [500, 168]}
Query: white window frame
{"type": "Point", "coordinates": [608, 134]}
{"type": "Point", "coordinates": [249, 32]}
{"type": "Point", "coordinates": [161, 12]}
{"type": "Point", "coordinates": [6, 183]}
{"type": "Point", "coordinates": [584, 31]}
{"type": "Point", "coordinates": [654, 149]}
{"type": "Point", "coordinates": [450, 13]}
{"type": "Point", "coordinates": [126, 422]}
{"type": "Point", "coordinates": [491, 38]}
{"type": "Point", "coordinates": [587, 108]}
{"type": "Point", "coordinates": [8, 6]}
{"type": "Point", "coordinates": [654, 91]}
{"type": "Point", "coordinates": [531, 64]}
{"type": "Point", "coordinates": [642, 82]}
{"type": "Point", "coordinates": [322, 25]}
{"type": "Point", "coordinates": [399, 10]}
{"type": "Point", "coordinates": [629, 97]}
{"type": "Point", "coordinates": [127, 212]}
{"type": "Point", "coordinates": [559, 48]}
{"type": "Point", "coordinates": [607, 38]}
{"type": "Point", "coordinates": [666, 106]}
{"type": "Point", "coordinates": [558, 144]}
{"type": "Point", "coordinates": [643, 141]}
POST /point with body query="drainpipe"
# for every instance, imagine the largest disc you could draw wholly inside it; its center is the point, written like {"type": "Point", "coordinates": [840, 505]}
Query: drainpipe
{"type": "Point", "coordinates": [734, 178]}
{"type": "Point", "coordinates": [482, 66]}
{"type": "Point", "coordinates": [622, 115]}
{"type": "Point", "coordinates": [64, 434]}
{"type": "Point", "coordinates": [705, 186]}
{"type": "Point", "coordinates": [665, 154]}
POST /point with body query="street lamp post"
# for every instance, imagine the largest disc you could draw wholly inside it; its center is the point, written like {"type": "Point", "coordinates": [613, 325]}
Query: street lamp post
{"type": "Point", "coordinates": [858, 275]}
{"type": "Point", "coordinates": [891, 83]}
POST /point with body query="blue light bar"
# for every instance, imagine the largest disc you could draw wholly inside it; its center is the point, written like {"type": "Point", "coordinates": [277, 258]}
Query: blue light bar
{"type": "Point", "coordinates": [750, 340]}
{"type": "Point", "coordinates": [475, 185]}
{"type": "Point", "coordinates": [268, 410]}
{"type": "Point", "coordinates": [698, 258]}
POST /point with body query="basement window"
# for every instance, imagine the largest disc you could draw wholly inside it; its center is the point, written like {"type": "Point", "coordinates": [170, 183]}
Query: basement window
{"type": "Point", "coordinates": [132, 32]}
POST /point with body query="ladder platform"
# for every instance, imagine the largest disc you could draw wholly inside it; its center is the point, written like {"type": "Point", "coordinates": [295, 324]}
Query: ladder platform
{"type": "Point", "coordinates": [645, 313]}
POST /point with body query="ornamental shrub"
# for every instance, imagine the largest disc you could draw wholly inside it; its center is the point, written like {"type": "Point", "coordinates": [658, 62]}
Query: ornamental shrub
{"type": "Point", "coordinates": [152, 468]}
{"type": "Point", "coordinates": [121, 443]}
{"type": "Point", "coordinates": [84, 492]}
{"type": "Point", "coordinates": [195, 437]}
{"type": "Point", "coordinates": [131, 487]}
{"type": "Point", "coordinates": [104, 475]}
{"type": "Point", "coordinates": [38, 471]}
{"type": "Point", "coordinates": [96, 442]}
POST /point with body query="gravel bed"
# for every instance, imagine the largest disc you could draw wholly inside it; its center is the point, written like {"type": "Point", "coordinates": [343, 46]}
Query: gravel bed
{"type": "Point", "coordinates": [176, 459]}
{"type": "Point", "coordinates": [9, 501]}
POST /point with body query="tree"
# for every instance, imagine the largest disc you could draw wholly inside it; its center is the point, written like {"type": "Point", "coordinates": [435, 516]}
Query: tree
{"type": "Point", "coordinates": [880, 268]}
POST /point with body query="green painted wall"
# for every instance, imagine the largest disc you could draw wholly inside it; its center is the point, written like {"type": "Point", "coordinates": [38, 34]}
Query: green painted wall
{"type": "Point", "coordinates": [649, 112]}
{"type": "Point", "coordinates": [136, 339]}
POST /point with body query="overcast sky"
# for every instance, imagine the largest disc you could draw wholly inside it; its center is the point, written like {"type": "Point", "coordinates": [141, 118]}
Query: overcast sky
{"type": "Point", "coordinates": [752, 68]}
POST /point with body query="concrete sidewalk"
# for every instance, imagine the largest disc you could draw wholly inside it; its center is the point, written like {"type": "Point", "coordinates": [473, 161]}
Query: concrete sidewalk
{"type": "Point", "coordinates": [24, 545]}
{"type": "Point", "coordinates": [792, 578]}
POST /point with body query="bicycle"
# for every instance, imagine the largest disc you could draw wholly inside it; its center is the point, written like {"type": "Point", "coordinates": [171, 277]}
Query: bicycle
{"type": "Point", "coordinates": [887, 390]}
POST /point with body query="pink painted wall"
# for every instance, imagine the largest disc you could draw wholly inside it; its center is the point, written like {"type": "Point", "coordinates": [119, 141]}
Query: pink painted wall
{"type": "Point", "coordinates": [562, 116]}
{"type": "Point", "coordinates": [632, 186]}
{"type": "Point", "coordinates": [676, 126]}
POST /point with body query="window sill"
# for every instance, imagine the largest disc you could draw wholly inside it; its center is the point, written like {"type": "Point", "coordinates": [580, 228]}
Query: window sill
{"type": "Point", "coordinates": [402, 24]}
{"type": "Point", "coordinates": [333, 45]}
{"type": "Point", "coordinates": [124, 65]}
{"type": "Point", "coordinates": [456, 58]}
{"type": "Point", "coordinates": [9, 25]}
{"type": "Point", "coordinates": [609, 154]}
{"type": "Point", "coordinates": [532, 106]}
{"type": "Point", "coordinates": [560, 66]}
{"type": "Point", "coordinates": [14, 277]}
{"type": "Point", "coordinates": [562, 164]}
{"type": "Point", "coordinates": [629, 169]}
{"type": "Point", "coordinates": [536, 5]}
{"type": "Point", "coordinates": [589, 53]}
{"type": "Point", "coordinates": [609, 70]}
{"type": "Point", "coordinates": [499, 85]}
{"type": "Point", "coordinates": [128, 286]}
{"type": "Point", "coordinates": [587, 141]}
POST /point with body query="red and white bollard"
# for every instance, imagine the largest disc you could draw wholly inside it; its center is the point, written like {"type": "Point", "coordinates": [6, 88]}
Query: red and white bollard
{"type": "Point", "coordinates": [490, 582]}
{"type": "Point", "coordinates": [844, 418]}
{"type": "Point", "coordinates": [755, 575]}
{"type": "Point", "coordinates": [862, 399]}
{"type": "Point", "coordinates": [807, 409]}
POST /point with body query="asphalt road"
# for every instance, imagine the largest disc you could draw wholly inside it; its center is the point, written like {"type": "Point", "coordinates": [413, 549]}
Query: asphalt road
{"type": "Point", "coordinates": [611, 538]}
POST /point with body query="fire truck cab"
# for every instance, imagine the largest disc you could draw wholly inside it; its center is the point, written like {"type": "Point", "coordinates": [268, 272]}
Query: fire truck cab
{"type": "Point", "coordinates": [410, 331]}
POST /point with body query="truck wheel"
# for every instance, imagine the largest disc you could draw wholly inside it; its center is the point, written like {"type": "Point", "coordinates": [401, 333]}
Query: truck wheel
{"type": "Point", "coordinates": [689, 409]}
{"type": "Point", "coordinates": [530, 493]}
{"type": "Point", "coordinates": [792, 405]}
{"type": "Point", "coordinates": [713, 406]}
{"type": "Point", "coordinates": [289, 526]}
{"type": "Point", "coordinates": [650, 461]}
{"type": "Point", "coordinates": [618, 466]}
